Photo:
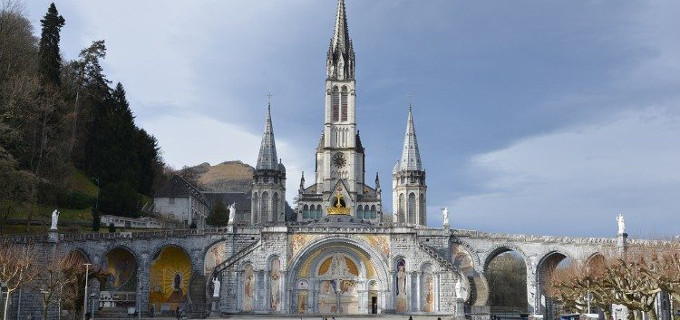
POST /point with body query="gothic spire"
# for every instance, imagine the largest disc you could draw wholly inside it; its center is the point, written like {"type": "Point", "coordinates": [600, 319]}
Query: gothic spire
{"type": "Point", "coordinates": [410, 156]}
{"type": "Point", "coordinates": [267, 159]}
{"type": "Point", "coordinates": [340, 60]}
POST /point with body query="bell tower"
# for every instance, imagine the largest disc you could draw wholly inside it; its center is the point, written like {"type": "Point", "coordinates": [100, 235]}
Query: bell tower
{"type": "Point", "coordinates": [408, 181]}
{"type": "Point", "coordinates": [339, 187]}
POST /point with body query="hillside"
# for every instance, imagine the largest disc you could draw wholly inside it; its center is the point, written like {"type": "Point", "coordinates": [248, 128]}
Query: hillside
{"type": "Point", "coordinates": [228, 176]}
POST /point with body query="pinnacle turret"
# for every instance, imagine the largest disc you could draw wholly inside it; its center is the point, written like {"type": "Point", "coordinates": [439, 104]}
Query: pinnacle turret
{"type": "Point", "coordinates": [340, 60]}
{"type": "Point", "coordinates": [410, 156]}
{"type": "Point", "coordinates": [267, 159]}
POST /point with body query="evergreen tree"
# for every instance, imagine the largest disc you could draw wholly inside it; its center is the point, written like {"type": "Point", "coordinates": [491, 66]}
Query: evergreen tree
{"type": "Point", "coordinates": [50, 58]}
{"type": "Point", "coordinates": [96, 220]}
{"type": "Point", "coordinates": [219, 217]}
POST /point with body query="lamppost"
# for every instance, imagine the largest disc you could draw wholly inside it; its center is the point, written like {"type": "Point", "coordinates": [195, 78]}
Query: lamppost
{"type": "Point", "coordinates": [87, 274]}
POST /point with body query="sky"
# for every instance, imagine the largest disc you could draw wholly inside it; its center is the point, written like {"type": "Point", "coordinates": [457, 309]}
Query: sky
{"type": "Point", "coordinates": [532, 116]}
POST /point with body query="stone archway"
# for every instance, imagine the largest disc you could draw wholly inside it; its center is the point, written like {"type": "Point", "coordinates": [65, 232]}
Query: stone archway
{"type": "Point", "coordinates": [119, 289]}
{"type": "Point", "coordinates": [546, 266]}
{"type": "Point", "coordinates": [505, 271]}
{"type": "Point", "coordinates": [170, 274]}
{"type": "Point", "coordinates": [337, 276]}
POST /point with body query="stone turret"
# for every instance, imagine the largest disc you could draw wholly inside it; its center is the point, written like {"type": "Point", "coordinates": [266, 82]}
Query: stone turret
{"type": "Point", "coordinates": [269, 181]}
{"type": "Point", "coordinates": [408, 181]}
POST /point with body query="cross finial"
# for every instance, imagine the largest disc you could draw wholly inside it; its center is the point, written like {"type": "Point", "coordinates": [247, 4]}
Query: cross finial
{"type": "Point", "coordinates": [410, 98]}
{"type": "Point", "coordinates": [269, 97]}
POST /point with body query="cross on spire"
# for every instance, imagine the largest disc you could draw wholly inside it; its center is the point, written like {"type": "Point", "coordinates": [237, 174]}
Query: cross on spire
{"type": "Point", "coordinates": [410, 98]}
{"type": "Point", "coordinates": [269, 98]}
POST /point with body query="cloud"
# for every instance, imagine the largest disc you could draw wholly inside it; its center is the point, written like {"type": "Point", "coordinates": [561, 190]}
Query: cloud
{"type": "Point", "coordinates": [575, 181]}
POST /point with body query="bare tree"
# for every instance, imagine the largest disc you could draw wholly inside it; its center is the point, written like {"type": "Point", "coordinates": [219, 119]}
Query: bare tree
{"type": "Point", "coordinates": [59, 271]}
{"type": "Point", "coordinates": [17, 267]}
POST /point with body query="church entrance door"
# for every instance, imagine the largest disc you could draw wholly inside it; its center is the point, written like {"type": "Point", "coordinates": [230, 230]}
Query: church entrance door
{"type": "Point", "coordinates": [339, 296]}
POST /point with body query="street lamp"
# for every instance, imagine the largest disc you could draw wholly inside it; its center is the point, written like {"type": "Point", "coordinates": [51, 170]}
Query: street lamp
{"type": "Point", "coordinates": [87, 270]}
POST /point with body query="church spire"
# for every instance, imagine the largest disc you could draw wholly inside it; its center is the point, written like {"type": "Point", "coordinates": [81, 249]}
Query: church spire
{"type": "Point", "coordinates": [267, 159]}
{"type": "Point", "coordinates": [410, 156]}
{"type": "Point", "coordinates": [340, 60]}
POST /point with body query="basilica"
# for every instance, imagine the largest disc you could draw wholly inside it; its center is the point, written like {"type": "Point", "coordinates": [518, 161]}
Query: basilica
{"type": "Point", "coordinates": [338, 254]}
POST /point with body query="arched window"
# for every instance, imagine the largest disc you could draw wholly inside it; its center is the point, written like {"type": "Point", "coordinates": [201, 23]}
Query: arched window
{"type": "Point", "coordinates": [412, 208]}
{"type": "Point", "coordinates": [305, 212]}
{"type": "Point", "coordinates": [360, 212]}
{"type": "Point", "coordinates": [422, 209]}
{"type": "Point", "coordinates": [254, 208]}
{"type": "Point", "coordinates": [335, 105]}
{"type": "Point", "coordinates": [319, 212]}
{"type": "Point", "coordinates": [264, 206]}
{"type": "Point", "coordinates": [373, 212]}
{"type": "Point", "coordinates": [400, 211]}
{"type": "Point", "coordinates": [275, 207]}
{"type": "Point", "coordinates": [344, 103]}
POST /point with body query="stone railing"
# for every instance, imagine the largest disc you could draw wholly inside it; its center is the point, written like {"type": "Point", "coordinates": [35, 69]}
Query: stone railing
{"type": "Point", "coordinates": [530, 238]}
{"type": "Point", "coordinates": [94, 236]}
{"type": "Point", "coordinates": [443, 261]}
{"type": "Point", "coordinates": [236, 257]}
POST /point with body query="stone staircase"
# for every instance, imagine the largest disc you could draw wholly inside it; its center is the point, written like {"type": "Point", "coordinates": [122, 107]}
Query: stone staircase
{"type": "Point", "coordinates": [236, 257]}
{"type": "Point", "coordinates": [433, 253]}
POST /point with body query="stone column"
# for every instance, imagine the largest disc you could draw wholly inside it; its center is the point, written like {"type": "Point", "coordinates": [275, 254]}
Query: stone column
{"type": "Point", "coordinates": [419, 279]}
{"type": "Point", "coordinates": [143, 276]}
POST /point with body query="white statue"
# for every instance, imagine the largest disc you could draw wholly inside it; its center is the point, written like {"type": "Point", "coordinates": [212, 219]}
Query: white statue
{"type": "Point", "coordinates": [445, 214]}
{"type": "Point", "coordinates": [621, 223]}
{"type": "Point", "coordinates": [55, 217]}
{"type": "Point", "coordinates": [232, 213]}
{"type": "Point", "coordinates": [216, 287]}
{"type": "Point", "coordinates": [459, 289]}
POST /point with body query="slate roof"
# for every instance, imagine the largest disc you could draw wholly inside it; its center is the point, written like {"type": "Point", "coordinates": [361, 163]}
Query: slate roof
{"type": "Point", "coordinates": [178, 187]}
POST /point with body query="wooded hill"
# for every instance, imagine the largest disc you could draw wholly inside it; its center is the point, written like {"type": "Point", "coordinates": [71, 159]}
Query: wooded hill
{"type": "Point", "coordinates": [62, 122]}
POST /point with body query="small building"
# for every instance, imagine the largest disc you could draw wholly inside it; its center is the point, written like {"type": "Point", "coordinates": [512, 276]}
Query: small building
{"type": "Point", "coordinates": [181, 201]}
{"type": "Point", "coordinates": [137, 223]}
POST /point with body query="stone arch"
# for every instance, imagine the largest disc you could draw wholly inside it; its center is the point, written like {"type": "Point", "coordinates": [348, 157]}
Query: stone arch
{"type": "Point", "coordinates": [83, 252]}
{"type": "Point", "coordinates": [547, 264]}
{"type": "Point", "coordinates": [411, 208]}
{"type": "Point", "coordinates": [421, 210]}
{"type": "Point", "coordinates": [171, 278]}
{"type": "Point", "coordinates": [427, 287]}
{"type": "Point", "coordinates": [275, 207]}
{"type": "Point", "coordinates": [335, 104]}
{"type": "Point", "coordinates": [595, 258]}
{"type": "Point", "coordinates": [499, 281]}
{"type": "Point", "coordinates": [122, 266]}
{"type": "Point", "coordinates": [503, 248]}
{"type": "Point", "coordinates": [247, 284]}
{"type": "Point", "coordinates": [213, 255]}
{"type": "Point", "coordinates": [274, 286]}
{"type": "Point", "coordinates": [464, 247]}
{"type": "Point", "coordinates": [400, 212]}
{"type": "Point", "coordinates": [264, 207]}
{"type": "Point", "coordinates": [254, 211]}
{"type": "Point", "coordinates": [307, 265]}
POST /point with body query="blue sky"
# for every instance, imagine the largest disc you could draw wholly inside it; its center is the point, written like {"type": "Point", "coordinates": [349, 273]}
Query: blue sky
{"type": "Point", "coordinates": [539, 117]}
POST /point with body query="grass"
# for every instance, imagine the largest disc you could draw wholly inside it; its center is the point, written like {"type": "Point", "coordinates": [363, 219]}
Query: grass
{"type": "Point", "coordinates": [71, 220]}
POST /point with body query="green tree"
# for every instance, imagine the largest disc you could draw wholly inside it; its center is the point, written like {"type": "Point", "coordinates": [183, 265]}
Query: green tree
{"type": "Point", "coordinates": [219, 217]}
{"type": "Point", "coordinates": [506, 276]}
{"type": "Point", "coordinates": [96, 220]}
{"type": "Point", "coordinates": [50, 58]}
